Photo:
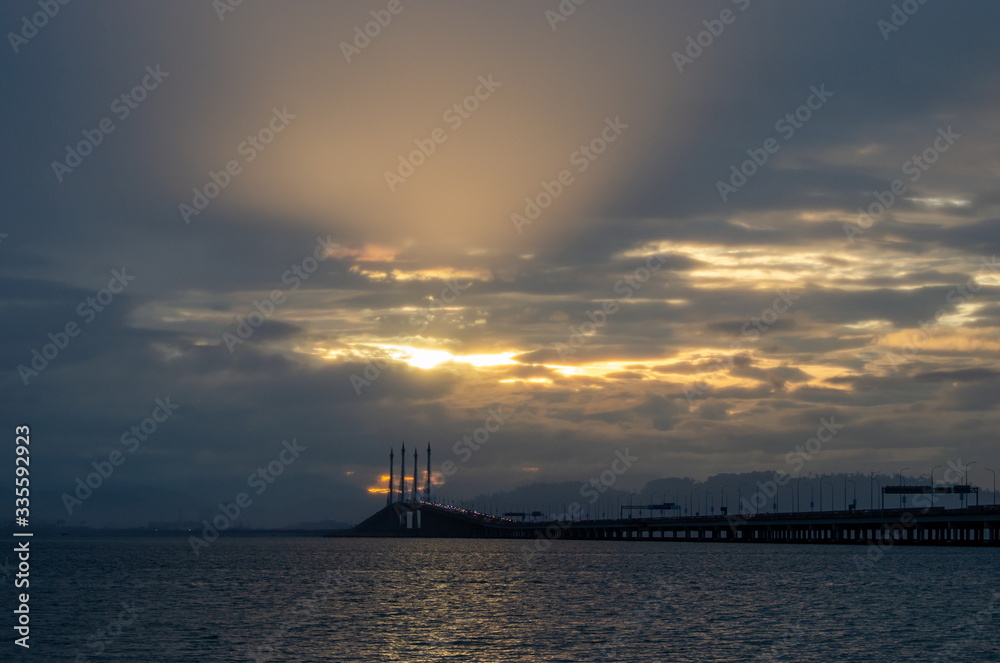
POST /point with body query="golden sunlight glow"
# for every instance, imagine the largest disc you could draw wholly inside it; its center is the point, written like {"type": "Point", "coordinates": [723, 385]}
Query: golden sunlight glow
{"type": "Point", "coordinates": [367, 253]}
{"type": "Point", "coordinates": [942, 202]}
{"type": "Point", "coordinates": [396, 273]}
{"type": "Point", "coordinates": [765, 269]}
{"type": "Point", "coordinates": [964, 313]}
{"type": "Point", "coordinates": [428, 358]}
{"type": "Point", "coordinates": [597, 369]}
{"type": "Point", "coordinates": [422, 358]}
{"type": "Point", "coordinates": [307, 180]}
{"type": "Point", "coordinates": [487, 360]}
{"type": "Point", "coordinates": [535, 380]}
{"type": "Point", "coordinates": [725, 265]}
{"type": "Point", "coordinates": [868, 325]}
{"type": "Point", "coordinates": [944, 338]}
{"type": "Point", "coordinates": [992, 278]}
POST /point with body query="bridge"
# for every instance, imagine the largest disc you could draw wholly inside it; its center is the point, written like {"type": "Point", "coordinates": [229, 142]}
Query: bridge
{"type": "Point", "coordinates": [934, 526]}
{"type": "Point", "coordinates": [409, 512]}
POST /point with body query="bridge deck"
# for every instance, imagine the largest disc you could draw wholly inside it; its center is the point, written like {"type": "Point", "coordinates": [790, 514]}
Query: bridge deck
{"type": "Point", "coordinates": [972, 526]}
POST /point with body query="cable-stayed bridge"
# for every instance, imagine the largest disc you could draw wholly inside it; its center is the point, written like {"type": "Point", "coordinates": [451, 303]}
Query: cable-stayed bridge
{"type": "Point", "coordinates": [934, 526]}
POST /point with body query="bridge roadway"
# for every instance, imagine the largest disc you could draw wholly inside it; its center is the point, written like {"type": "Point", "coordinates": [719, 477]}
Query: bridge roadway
{"type": "Point", "coordinates": [971, 526]}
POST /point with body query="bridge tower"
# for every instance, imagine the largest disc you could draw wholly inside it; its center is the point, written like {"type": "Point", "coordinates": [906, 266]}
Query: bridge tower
{"type": "Point", "coordinates": [388, 499]}
{"type": "Point", "coordinates": [427, 491]}
{"type": "Point", "coordinates": [402, 475]}
{"type": "Point", "coordinates": [416, 485]}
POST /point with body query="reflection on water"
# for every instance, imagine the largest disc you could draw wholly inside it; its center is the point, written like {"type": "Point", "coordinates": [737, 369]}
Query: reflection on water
{"type": "Point", "coordinates": [483, 600]}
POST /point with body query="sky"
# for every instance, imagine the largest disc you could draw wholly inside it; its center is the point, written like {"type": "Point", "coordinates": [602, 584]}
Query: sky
{"type": "Point", "coordinates": [275, 240]}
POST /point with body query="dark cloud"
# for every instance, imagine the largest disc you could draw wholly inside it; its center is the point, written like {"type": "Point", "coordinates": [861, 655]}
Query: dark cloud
{"type": "Point", "coordinates": [964, 375]}
{"type": "Point", "coordinates": [428, 309]}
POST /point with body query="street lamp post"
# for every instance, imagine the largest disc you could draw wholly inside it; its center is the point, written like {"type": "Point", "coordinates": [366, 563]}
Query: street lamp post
{"type": "Point", "coordinates": [823, 483]}
{"type": "Point", "coordinates": [994, 484]}
{"type": "Point", "coordinates": [812, 497]}
{"type": "Point", "coordinates": [933, 494]}
{"type": "Point", "coordinates": [967, 480]}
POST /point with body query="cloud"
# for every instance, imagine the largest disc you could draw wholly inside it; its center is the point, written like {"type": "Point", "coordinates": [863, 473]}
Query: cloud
{"type": "Point", "coordinates": [428, 294]}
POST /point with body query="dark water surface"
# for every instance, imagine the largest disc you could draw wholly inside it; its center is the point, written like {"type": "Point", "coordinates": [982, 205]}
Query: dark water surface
{"type": "Point", "coordinates": [312, 599]}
